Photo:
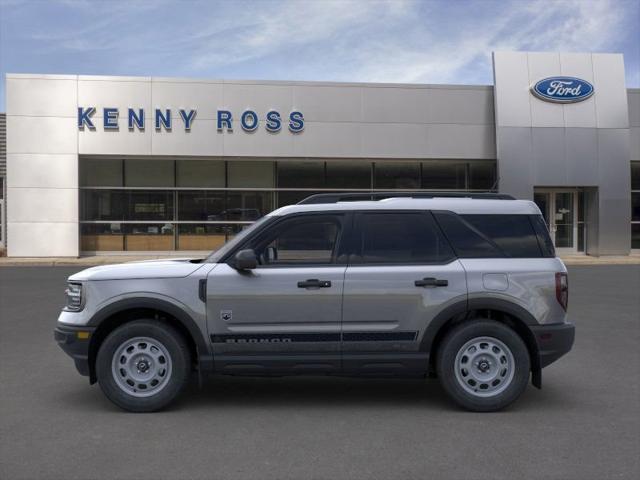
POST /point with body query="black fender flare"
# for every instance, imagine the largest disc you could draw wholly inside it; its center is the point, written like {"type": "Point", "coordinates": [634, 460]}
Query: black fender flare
{"type": "Point", "coordinates": [203, 352]}
{"type": "Point", "coordinates": [461, 308]}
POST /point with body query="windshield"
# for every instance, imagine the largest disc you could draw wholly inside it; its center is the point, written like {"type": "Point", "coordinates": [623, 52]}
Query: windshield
{"type": "Point", "coordinates": [216, 255]}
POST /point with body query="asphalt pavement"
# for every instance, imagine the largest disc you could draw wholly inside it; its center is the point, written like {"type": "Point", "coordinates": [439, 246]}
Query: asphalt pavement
{"type": "Point", "coordinates": [583, 424]}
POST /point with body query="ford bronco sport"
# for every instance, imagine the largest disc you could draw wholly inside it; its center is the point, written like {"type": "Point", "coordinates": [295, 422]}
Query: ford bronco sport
{"type": "Point", "coordinates": [463, 287]}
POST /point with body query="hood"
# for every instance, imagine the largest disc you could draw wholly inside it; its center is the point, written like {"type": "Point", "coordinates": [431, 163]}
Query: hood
{"type": "Point", "coordinates": [167, 268]}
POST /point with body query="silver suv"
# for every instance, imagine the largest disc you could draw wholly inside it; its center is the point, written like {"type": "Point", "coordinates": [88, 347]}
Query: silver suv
{"type": "Point", "coordinates": [465, 288]}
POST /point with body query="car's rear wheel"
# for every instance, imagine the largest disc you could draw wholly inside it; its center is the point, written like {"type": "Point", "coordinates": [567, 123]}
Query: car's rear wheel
{"type": "Point", "coordinates": [483, 365]}
{"type": "Point", "coordinates": [143, 365]}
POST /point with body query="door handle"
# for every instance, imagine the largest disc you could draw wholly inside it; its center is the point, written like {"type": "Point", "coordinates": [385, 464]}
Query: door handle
{"type": "Point", "coordinates": [314, 283]}
{"type": "Point", "coordinates": [431, 282]}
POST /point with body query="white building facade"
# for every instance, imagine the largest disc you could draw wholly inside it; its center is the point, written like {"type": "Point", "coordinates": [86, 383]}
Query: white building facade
{"type": "Point", "coordinates": [141, 164]}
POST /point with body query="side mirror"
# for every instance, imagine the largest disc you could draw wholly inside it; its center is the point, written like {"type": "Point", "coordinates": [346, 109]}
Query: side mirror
{"type": "Point", "coordinates": [245, 260]}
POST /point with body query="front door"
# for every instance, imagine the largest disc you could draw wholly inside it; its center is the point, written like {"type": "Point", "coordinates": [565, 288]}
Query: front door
{"type": "Point", "coordinates": [285, 314]}
{"type": "Point", "coordinates": [401, 275]}
{"type": "Point", "coordinates": [559, 209]}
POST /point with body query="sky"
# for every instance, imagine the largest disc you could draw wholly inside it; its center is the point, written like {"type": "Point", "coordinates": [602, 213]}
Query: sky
{"type": "Point", "coordinates": [403, 41]}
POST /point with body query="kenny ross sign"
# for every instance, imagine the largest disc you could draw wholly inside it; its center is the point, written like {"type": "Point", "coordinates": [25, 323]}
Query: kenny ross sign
{"type": "Point", "coordinates": [162, 119]}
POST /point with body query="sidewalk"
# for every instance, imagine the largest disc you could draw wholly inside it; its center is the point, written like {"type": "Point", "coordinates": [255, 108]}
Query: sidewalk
{"type": "Point", "coordinates": [110, 259]}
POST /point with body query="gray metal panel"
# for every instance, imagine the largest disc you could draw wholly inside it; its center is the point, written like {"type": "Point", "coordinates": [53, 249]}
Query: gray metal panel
{"type": "Point", "coordinates": [570, 152]}
{"type": "Point", "coordinates": [614, 214]}
{"type": "Point", "coordinates": [511, 79]}
{"type": "Point", "coordinates": [544, 114]}
{"type": "Point", "coordinates": [612, 109]}
{"type": "Point", "coordinates": [395, 105]}
{"type": "Point", "coordinates": [461, 141]}
{"type": "Point", "coordinates": [634, 136]}
{"type": "Point", "coordinates": [461, 106]}
{"type": "Point", "coordinates": [581, 114]}
{"type": "Point", "coordinates": [515, 167]}
{"type": "Point", "coordinates": [582, 156]}
{"type": "Point", "coordinates": [633, 96]}
{"type": "Point", "coordinates": [549, 156]}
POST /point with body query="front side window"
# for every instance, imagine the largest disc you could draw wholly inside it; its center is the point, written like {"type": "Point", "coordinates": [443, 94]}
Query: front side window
{"type": "Point", "coordinates": [401, 238]}
{"type": "Point", "coordinates": [301, 240]}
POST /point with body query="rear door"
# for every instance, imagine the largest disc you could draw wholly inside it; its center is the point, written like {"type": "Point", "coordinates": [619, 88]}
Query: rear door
{"type": "Point", "coordinates": [285, 314]}
{"type": "Point", "coordinates": [401, 274]}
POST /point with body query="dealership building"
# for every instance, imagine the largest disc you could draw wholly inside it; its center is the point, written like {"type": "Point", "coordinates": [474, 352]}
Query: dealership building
{"type": "Point", "coordinates": [106, 165]}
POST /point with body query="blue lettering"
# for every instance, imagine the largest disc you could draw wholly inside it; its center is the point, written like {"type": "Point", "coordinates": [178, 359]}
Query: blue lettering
{"type": "Point", "coordinates": [110, 116]}
{"type": "Point", "coordinates": [274, 123]}
{"type": "Point", "coordinates": [84, 117]}
{"type": "Point", "coordinates": [187, 118]}
{"type": "Point", "coordinates": [136, 119]}
{"type": "Point", "coordinates": [296, 121]}
{"type": "Point", "coordinates": [249, 120]}
{"type": "Point", "coordinates": [225, 120]}
{"type": "Point", "coordinates": [163, 120]}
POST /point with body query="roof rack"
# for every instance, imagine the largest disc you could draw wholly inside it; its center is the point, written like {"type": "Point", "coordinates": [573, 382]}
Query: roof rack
{"type": "Point", "coordinates": [363, 196]}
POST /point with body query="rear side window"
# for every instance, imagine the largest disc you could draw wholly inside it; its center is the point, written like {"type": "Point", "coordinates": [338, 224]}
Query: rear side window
{"type": "Point", "coordinates": [482, 236]}
{"type": "Point", "coordinates": [400, 238]}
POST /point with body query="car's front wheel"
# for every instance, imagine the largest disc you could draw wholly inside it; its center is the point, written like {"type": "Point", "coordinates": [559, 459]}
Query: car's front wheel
{"type": "Point", "coordinates": [143, 365]}
{"type": "Point", "coordinates": [483, 365]}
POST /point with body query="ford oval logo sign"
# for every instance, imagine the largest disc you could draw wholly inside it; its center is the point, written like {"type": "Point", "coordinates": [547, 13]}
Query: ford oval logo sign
{"type": "Point", "coordinates": [562, 89]}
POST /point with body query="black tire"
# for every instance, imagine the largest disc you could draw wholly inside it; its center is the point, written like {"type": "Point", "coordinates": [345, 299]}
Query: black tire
{"type": "Point", "coordinates": [452, 344]}
{"type": "Point", "coordinates": [176, 348]}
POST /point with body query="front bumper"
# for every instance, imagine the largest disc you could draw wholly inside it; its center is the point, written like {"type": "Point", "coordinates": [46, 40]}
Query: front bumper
{"type": "Point", "coordinates": [553, 341]}
{"type": "Point", "coordinates": [75, 343]}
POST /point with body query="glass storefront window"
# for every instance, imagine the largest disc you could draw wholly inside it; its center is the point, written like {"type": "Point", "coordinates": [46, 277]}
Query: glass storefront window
{"type": "Point", "coordinates": [150, 205]}
{"type": "Point", "coordinates": [200, 205]}
{"type": "Point", "coordinates": [250, 174]}
{"type": "Point", "coordinates": [103, 205]}
{"type": "Point", "coordinates": [149, 173]}
{"type": "Point", "coordinates": [635, 175]}
{"type": "Point", "coordinates": [148, 237]}
{"type": "Point", "coordinates": [247, 206]}
{"type": "Point", "coordinates": [300, 174]}
{"type": "Point", "coordinates": [101, 172]}
{"type": "Point", "coordinates": [204, 236]}
{"type": "Point", "coordinates": [635, 206]}
{"type": "Point", "coordinates": [482, 176]}
{"type": "Point", "coordinates": [200, 173]}
{"type": "Point", "coordinates": [356, 174]}
{"type": "Point", "coordinates": [397, 175]}
{"type": "Point", "coordinates": [291, 198]}
{"type": "Point", "coordinates": [101, 237]}
{"type": "Point", "coordinates": [635, 235]}
{"type": "Point", "coordinates": [207, 191]}
{"type": "Point", "coordinates": [444, 175]}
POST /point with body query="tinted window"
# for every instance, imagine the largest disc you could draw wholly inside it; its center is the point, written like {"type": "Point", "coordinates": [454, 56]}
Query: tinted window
{"type": "Point", "coordinates": [467, 241]}
{"type": "Point", "coordinates": [544, 240]}
{"type": "Point", "coordinates": [300, 240]}
{"type": "Point", "coordinates": [513, 234]}
{"type": "Point", "coordinates": [401, 238]}
{"type": "Point", "coordinates": [478, 236]}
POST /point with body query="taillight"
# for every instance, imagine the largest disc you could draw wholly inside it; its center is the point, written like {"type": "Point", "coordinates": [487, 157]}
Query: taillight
{"type": "Point", "coordinates": [562, 289]}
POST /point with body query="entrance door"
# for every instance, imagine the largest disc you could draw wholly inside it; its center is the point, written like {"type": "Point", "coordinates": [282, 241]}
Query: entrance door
{"type": "Point", "coordinates": [559, 209]}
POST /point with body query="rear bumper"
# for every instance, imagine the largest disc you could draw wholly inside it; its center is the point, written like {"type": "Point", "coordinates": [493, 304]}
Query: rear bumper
{"type": "Point", "coordinates": [75, 343]}
{"type": "Point", "coordinates": [553, 341]}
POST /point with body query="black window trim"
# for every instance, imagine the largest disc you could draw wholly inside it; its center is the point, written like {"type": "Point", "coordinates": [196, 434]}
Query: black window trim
{"type": "Point", "coordinates": [355, 250]}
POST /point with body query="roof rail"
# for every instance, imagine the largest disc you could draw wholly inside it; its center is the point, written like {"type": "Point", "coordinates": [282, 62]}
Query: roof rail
{"type": "Point", "coordinates": [363, 196]}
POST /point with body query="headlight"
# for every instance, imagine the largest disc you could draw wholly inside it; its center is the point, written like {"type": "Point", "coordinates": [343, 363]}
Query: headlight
{"type": "Point", "coordinates": [74, 297]}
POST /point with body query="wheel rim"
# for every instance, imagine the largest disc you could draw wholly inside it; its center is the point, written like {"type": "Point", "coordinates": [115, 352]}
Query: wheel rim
{"type": "Point", "coordinates": [141, 366]}
{"type": "Point", "coordinates": [484, 367]}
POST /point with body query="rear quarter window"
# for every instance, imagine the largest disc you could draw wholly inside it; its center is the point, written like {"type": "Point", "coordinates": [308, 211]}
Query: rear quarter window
{"type": "Point", "coordinates": [494, 235]}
